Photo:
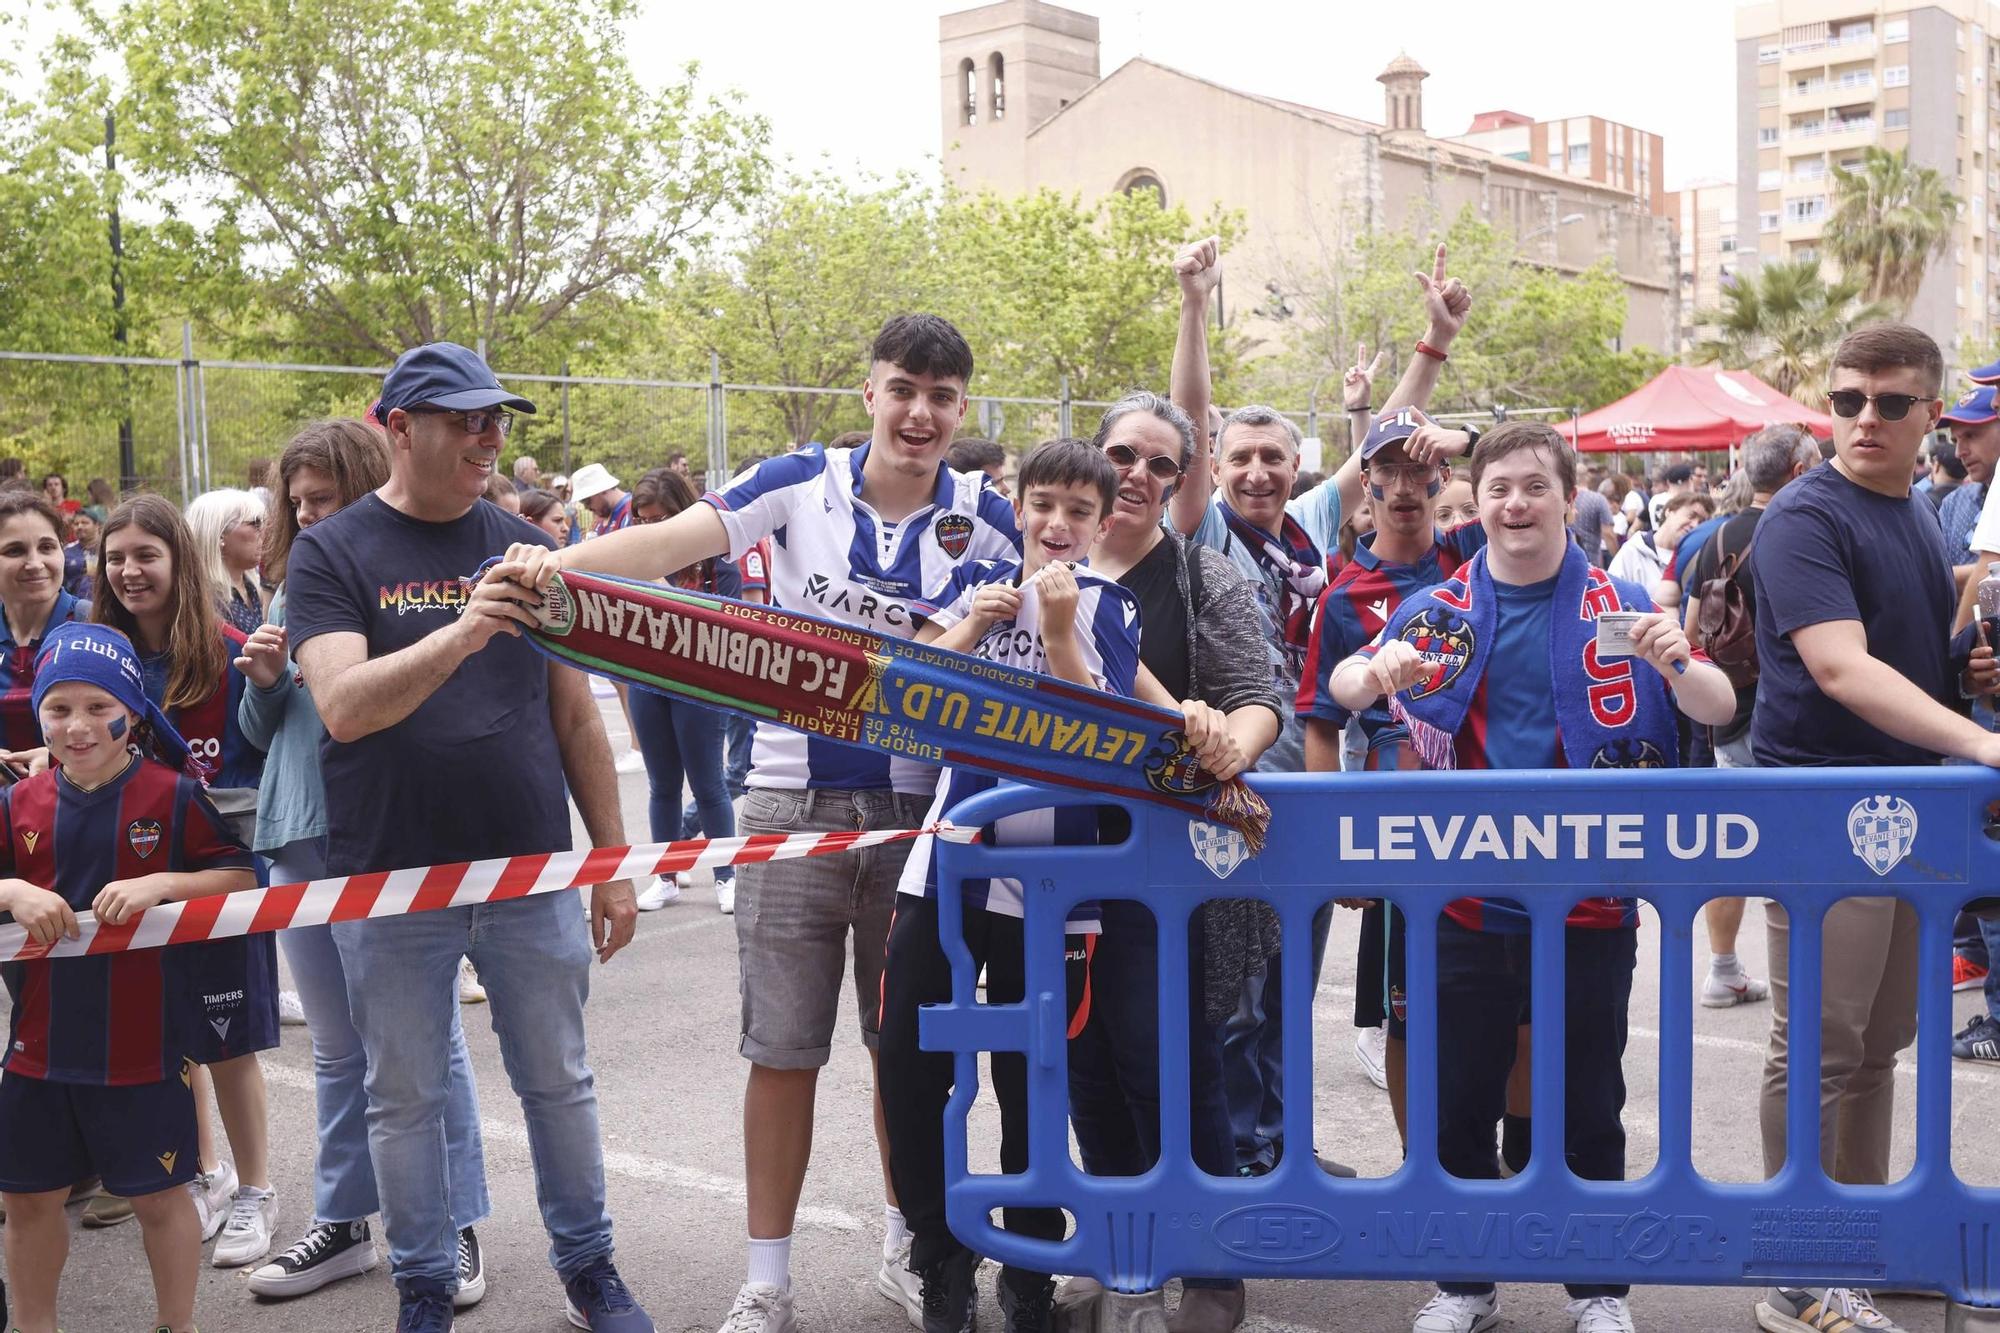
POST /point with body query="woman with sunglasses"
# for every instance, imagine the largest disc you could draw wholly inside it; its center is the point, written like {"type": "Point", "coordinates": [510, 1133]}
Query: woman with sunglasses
{"type": "Point", "coordinates": [1203, 641]}
{"type": "Point", "coordinates": [228, 528]}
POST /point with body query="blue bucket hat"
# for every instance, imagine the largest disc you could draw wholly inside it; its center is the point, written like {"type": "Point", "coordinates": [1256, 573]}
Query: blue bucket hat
{"type": "Point", "coordinates": [99, 655]}
{"type": "Point", "coordinates": [444, 375]}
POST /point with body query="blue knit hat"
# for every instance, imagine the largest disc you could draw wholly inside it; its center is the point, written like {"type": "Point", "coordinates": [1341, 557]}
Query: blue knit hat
{"type": "Point", "coordinates": [99, 655]}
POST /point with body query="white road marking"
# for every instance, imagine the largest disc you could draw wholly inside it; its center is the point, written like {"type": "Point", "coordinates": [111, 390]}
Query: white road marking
{"type": "Point", "coordinates": [633, 1166]}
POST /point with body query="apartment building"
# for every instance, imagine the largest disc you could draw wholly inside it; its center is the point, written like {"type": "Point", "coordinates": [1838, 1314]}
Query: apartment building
{"type": "Point", "coordinates": [1706, 214]}
{"type": "Point", "coordinates": [1819, 81]}
{"type": "Point", "coordinates": [1588, 146]}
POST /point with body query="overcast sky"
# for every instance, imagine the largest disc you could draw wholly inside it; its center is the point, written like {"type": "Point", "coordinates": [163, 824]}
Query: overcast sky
{"type": "Point", "coordinates": [858, 83]}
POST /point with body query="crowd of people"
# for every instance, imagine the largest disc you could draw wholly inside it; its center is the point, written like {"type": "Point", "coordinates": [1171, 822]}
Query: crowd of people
{"type": "Point", "coordinates": [299, 679]}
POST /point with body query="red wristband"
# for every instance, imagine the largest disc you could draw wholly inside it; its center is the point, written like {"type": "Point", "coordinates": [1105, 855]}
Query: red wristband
{"type": "Point", "coordinates": [1425, 349]}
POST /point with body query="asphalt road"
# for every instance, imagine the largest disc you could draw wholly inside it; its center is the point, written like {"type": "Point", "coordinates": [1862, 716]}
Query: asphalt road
{"type": "Point", "coordinates": [663, 1026]}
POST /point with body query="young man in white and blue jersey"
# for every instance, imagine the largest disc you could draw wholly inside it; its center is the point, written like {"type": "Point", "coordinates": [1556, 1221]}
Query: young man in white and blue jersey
{"type": "Point", "coordinates": [859, 536]}
{"type": "Point", "coordinates": [1045, 613]}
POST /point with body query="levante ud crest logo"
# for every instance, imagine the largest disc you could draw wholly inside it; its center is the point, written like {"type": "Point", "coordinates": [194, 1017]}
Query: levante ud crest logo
{"type": "Point", "coordinates": [1882, 830]}
{"type": "Point", "coordinates": [144, 836]}
{"type": "Point", "coordinates": [1444, 639]}
{"type": "Point", "coordinates": [954, 534]}
{"type": "Point", "coordinates": [1218, 848]}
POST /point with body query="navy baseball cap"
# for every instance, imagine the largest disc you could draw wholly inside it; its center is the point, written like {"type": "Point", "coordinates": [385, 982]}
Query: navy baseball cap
{"type": "Point", "coordinates": [1973, 408]}
{"type": "Point", "coordinates": [1986, 374]}
{"type": "Point", "coordinates": [444, 375]}
{"type": "Point", "coordinates": [1392, 430]}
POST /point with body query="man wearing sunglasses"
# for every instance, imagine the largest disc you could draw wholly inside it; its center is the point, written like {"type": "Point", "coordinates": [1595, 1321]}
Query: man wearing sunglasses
{"type": "Point", "coordinates": [1857, 666]}
{"type": "Point", "coordinates": [451, 739]}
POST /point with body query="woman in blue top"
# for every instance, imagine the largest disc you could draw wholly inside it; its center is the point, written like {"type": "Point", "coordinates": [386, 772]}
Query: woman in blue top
{"type": "Point", "coordinates": [32, 594]}
{"type": "Point", "coordinates": [326, 467]}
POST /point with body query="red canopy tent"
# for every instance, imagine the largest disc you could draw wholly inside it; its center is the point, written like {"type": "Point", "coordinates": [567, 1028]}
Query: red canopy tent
{"type": "Point", "coordinates": [1691, 408]}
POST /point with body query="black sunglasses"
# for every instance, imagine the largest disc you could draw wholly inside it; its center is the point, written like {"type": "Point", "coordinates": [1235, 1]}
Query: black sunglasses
{"type": "Point", "coordinates": [1888, 406]}
{"type": "Point", "coordinates": [472, 423]}
{"type": "Point", "coordinates": [1123, 456]}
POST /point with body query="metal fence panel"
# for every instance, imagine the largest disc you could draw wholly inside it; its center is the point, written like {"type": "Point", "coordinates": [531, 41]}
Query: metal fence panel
{"type": "Point", "coordinates": [67, 416]}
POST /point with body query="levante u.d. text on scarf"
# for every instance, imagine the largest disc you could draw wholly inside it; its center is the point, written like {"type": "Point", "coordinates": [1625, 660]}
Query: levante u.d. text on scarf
{"type": "Point", "coordinates": [1616, 712]}
{"type": "Point", "coordinates": [882, 693]}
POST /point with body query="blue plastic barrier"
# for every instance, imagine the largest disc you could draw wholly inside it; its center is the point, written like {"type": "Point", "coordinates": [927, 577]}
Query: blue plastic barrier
{"type": "Point", "coordinates": [1804, 837]}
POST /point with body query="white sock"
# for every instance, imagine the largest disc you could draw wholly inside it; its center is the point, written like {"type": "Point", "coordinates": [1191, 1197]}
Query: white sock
{"type": "Point", "coordinates": [895, 1231]}
{"type": "Point", "coordinates": [1724, 965]}
{"type": "Point", "coordinates": [771, 1262]}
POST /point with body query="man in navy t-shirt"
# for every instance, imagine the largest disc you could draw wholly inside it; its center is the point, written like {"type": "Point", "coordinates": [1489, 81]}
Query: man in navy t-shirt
{"type": "Point", "coordinates": [450, 739]}
{"type": "Point", "coordinates": [1857, 666]}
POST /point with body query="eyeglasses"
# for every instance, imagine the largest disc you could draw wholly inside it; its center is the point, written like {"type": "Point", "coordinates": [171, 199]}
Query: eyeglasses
{"type": "Point", "coordinates": [1417, 474]}
{"type": "Point", "coordinates": [472, 423]}
{"type": "Point", "coordinates": [1123, 456]}
{"type": "Point", "coordinates": [1888, 406]}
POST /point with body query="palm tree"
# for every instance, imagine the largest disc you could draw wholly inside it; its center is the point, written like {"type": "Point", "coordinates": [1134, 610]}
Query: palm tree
{"type": "Point", "coordinates": [1781, 324]}
{"type": "Point", "coordinates": [1890, 218]}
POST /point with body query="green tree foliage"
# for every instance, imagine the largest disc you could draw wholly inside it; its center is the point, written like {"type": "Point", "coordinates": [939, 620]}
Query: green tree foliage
{"type": "Point", "coordinates": [389, 172]}
{"type": "Point", "coordinates": [1538, 337]}
{"type": "Point", "coordinates": [1781, 324]}
{"type": "Point", "coordinates": [1890, 219]}
{"type": "Point", "coordinates": [1043, 287]}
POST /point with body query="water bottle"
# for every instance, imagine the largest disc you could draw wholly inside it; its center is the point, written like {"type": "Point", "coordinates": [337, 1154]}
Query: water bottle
{"type": "Point", "coordinates": [1989, 603]}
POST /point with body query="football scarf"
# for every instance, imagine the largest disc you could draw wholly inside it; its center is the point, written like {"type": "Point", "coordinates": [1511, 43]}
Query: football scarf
{"type": "Point", "coordinates": [1298, 567]}
{"type": "Point", "coordinates": [1611, 714]}
{"type": "Point", "coordinates": [882, 693]}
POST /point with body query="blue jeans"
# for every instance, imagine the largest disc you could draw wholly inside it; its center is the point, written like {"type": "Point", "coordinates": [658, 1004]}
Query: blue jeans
{"type": "Point", "coordinates": [682, 741]}
{"type": "Point", "coordinates": [533, 956]}
{"type": "Point", "coordinates": [1253, 1043]}
{"type": "Point", "coordinates": [344, 1178]}
{"type": "Point", "coordinates": [737, 734]}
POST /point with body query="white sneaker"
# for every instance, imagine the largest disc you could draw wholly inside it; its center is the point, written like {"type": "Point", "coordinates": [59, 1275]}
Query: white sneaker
{"type": "Point", "coordinates": [1371, 1052]}
{"type": "Point", "coordinates": [246, 1236]}
{"type": "Point", "coordinates": [1446, 1313]}
{"type": "Point", "coordinates": [895, 1281]}
{"type": "Point", "coordinates": [663, 890]}
{"type": "Point", "coordinates": [1601, 1314]}
{"type": "Point", "coordinates": [469, 989]}
{"type": "Point", "coordinates": [1726, 992]}
{"type": "Point", "coordinates": [632, 762]}
{"type": "Point", "coordinates": [212, 1192]}
{"type": "Point", "coordinates": [291, 1013]}
{"type": "Point", "coordinates": [760, 1308]}
{"type": "Point", "coordinates": [684, 878]}
{"type": "Point", "coordinates": [725, 896]}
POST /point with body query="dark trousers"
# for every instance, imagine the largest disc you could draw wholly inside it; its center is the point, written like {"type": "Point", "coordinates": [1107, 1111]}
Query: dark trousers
{"type": "Point", "coordinates": [917, 1083]}
{"type": "Point", "coordinates": [1483, 989]}
{"type": "Point", "coordinates": [1114, 1056]}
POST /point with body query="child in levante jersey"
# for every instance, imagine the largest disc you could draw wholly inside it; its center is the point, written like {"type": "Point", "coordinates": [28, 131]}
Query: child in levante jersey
{"type": "Point", "coordinates": [153, 591]}
{"type": "Point", "coordinates": [1043, 613]}
{"type": "Point", "coordinates": [97, 1077]}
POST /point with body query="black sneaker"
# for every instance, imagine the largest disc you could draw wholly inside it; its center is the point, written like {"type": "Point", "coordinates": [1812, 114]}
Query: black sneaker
{"type": "Point", "coordinates": [1027, 1302]}
{"type": "Point", "coordinates": [328, 1252]}
{"type": "Point", "coordinates": [949, 1292]}
{"type": "Point", "coordinates": [471, 1272]}
{"type": "Point", "coordinates": [1979, 1041]}
{"type": "Point", "coordinates": [425, 1308]}
{"type": "Point", "coordinates": [595, 1297]}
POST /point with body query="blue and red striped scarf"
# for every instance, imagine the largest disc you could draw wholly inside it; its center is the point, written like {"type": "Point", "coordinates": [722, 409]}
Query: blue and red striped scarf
{"type": "Point", "coordinates": [1617, 713]}
{"type": "Point", "coordinates": [1295, 563]}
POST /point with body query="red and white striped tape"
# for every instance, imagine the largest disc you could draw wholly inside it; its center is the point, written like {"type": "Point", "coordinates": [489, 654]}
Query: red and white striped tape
{"type": "Point", "coordinates": [428, 888]}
